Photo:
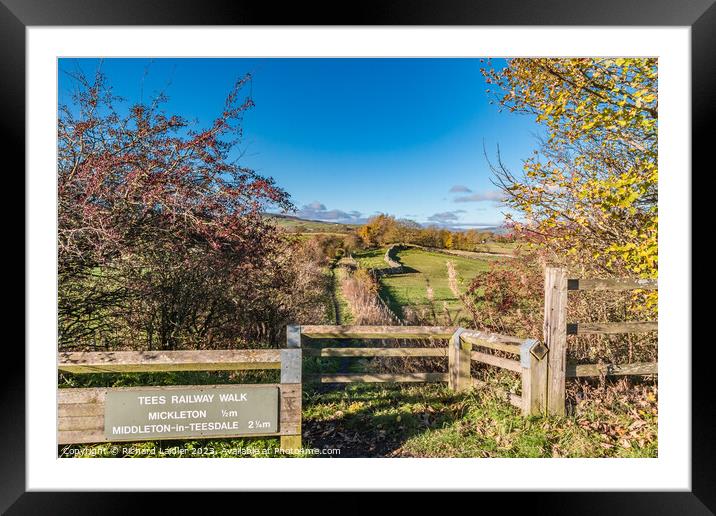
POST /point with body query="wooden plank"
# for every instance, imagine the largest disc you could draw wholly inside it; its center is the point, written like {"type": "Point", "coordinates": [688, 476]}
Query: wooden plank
{"type": "Point", "coordinates": [489, 337]}
{"type": "Point", "coordinates": [81, 436]}
{"type": "Point", "coordinates": [384, 352]}
{"type": "Point", "coordinates": [379, 378]}
{"type": "Point", "coordinates": [148, 361]}
{"type": "Point", "coordinates": [612, 284]}
{"type": "Point", "coordinates": [510, 397]}
{"type": "Point", "coordinates": [80, 409]}
{"type": "Point", "coordinates": [555, 337]}
{"type": "Point", "coordinates": [504, 363]}
{"type": "Point", "coordinates": [85, 395]}
{"type": "Point", "coordinates": [637, 369]}
{"type": "Point", "coordinates": [493, 341]}
{"type": "Point", "coordinates": [81, 412]}
{"type": "Point", "coordinates": [377, 332]}
{"type": "Point", "coordinates": [611, 328]}
{"type": "Point", "coordinates": [81, 423]}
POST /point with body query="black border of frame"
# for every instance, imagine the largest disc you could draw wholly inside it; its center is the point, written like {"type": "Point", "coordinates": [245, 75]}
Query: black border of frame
{"type": "Point", "coordinates": [700, 15]}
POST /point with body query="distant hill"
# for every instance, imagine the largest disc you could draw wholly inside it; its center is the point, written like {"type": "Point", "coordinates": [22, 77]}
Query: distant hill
{"type": "Point", "coordinates": [498, 230]}
{"type": "Point", "coordinates": [300, 225]}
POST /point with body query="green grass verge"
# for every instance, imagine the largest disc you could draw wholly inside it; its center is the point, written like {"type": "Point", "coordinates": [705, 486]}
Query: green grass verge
{"type": "Point", "coordinates": [431, 421]}
{"type": "Point", "coordinates": [344, 311]}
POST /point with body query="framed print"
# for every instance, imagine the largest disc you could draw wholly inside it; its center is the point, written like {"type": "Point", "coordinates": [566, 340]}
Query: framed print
{"type": "Point", "coordinates": [422, 242]}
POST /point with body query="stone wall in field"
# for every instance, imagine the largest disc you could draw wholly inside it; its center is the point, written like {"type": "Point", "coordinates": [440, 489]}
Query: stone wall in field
{"type": "Point", "coordinates": [391, 258]}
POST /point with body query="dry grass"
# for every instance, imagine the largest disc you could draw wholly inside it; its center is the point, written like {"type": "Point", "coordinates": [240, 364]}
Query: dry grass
{"type": "Point", "coordinates": [452, 279]}
{"type": "Point", "coordinates": [361, 293]}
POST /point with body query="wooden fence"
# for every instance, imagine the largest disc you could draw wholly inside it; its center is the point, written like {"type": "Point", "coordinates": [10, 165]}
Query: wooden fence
{"type": "Point", "coordinates": [81, 411]}
{"type": "Point", "coordinates": [463, 347]}
{"type": "Point", "coordinates": [542, 365]}
{"type": "Point", "coordinates": [557, 285]}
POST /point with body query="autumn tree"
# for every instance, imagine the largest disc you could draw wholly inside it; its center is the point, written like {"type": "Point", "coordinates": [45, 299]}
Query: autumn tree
{"type": "Point", "coordinates": [161, 239]}
{"type": "Point", "coordinates": [590, 192]}
{"type": "Point", "coordinates": [587, 199]}
{"type": "Point", "coordinates": [379, 230]}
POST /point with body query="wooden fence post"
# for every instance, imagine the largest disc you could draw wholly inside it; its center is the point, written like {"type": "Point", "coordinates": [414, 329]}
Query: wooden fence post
{"type": "Point", "coordinates": [291, 389]}
{"type": "Point", "coordinates": [534, 378]}
{"type": "Point", "coordinates": [459, 378]}
{"type": "Point", "coordinates": [555, 337]}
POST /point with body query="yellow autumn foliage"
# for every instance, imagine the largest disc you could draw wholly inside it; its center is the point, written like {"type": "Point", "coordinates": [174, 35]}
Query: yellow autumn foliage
{"type": "Point", "coordinates": [591, 191]}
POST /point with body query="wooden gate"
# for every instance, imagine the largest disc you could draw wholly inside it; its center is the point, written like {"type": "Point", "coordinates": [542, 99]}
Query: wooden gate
{"type": "Point", "coordinates": [461, 348]}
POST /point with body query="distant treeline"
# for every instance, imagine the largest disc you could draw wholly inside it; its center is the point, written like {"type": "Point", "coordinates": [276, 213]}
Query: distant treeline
{"type": "Point", "coordinates": [385, 229]}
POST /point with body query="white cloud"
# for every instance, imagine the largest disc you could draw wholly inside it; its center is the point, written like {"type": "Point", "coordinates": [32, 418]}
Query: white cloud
{"type": "Point", "coordinates": [315, 205]}
{"type": "Point", "coordinates": [318, 211]}
{"type": "Point", "coordinates": [459, 188]}
{"type": "Point", "coordinates": [446, 216]}
{"type": "Point", "coordinates": [494, 196]}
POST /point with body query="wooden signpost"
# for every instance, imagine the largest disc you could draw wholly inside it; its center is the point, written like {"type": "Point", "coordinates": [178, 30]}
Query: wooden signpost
{"type": "Point", "coordinates": [105, 414]}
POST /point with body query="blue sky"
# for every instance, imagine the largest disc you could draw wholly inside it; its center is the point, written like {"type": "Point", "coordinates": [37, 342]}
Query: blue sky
{"type": "Point", "coordinates": [349, 138]}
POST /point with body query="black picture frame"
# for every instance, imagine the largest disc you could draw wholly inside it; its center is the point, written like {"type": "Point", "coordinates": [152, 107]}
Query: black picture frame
{"type": "Point", "coordinates": [700, 15]}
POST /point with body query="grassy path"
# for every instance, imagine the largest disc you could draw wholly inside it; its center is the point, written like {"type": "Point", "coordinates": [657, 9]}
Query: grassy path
{"type": "Point", "coordinates": [335, 286]}
{"type": "Point", "coordinates": [343, 315]}
{"type": "Point", "coordinates": [424, 284]}
{"type": "Point", "coordinates": [342, 310]}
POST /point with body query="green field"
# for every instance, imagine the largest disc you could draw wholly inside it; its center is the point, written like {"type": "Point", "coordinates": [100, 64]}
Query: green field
{"type": "Point", "coordinates": [427, 269]}
{"type": "Point", "coordinates": [498, 247]}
